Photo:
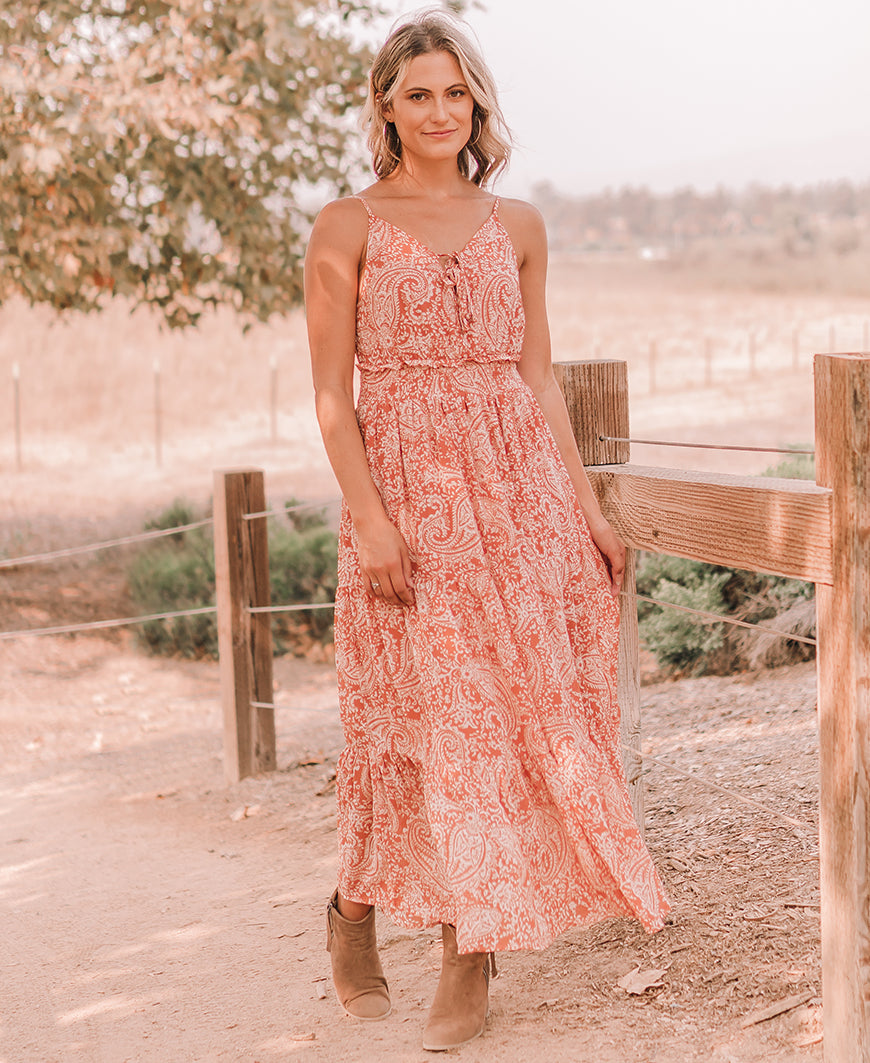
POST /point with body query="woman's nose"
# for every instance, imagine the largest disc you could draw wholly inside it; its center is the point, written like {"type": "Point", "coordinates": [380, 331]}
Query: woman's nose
{"type": "Point", "coordinates": [439, 110]}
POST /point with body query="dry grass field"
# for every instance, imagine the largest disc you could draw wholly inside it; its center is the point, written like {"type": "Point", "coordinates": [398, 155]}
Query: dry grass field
{"type": "Point", "coordinates": [87, 387]}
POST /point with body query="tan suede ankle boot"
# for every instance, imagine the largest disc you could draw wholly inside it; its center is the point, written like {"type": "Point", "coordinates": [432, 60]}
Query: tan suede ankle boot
{"type": "Point", "coordinates": [461, 1002]}
{"type": "Point", "coordinates": [356, 967]}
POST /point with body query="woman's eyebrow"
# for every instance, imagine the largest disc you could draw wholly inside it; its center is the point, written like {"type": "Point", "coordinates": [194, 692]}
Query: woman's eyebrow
{"type": "Point", "coordinates": [421, 88]}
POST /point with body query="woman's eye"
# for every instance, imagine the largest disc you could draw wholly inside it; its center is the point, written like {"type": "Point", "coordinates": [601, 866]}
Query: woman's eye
{"type": "Point", "coordinates": [457, 94]}
{"type": "Point", "coordinates": [417, 96]}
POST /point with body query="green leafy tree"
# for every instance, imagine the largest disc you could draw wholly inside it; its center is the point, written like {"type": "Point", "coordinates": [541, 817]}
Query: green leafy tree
{"type": "Point", "coordinates": [157, 149]}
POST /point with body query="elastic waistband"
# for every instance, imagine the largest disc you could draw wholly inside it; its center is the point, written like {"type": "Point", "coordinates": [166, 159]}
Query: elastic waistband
{"type": "Point", "coordinates": [440, 367]}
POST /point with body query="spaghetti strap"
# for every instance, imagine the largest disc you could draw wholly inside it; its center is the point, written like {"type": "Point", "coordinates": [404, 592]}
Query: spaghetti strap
{"type": "Point", "coordinates": [365, 203]}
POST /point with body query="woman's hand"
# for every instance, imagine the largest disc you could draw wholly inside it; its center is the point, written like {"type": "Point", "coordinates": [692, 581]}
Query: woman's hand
{"type": "Point", "coordinates": [385, 562]}
{"type": "Point", "coordinates": [612, 550]}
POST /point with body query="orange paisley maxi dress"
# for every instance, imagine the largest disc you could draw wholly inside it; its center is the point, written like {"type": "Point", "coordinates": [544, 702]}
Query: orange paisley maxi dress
{"type": "Point", "coordinates": [481, 782]}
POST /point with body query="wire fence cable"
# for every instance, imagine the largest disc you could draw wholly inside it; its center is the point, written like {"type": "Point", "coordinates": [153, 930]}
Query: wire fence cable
{"type": "Point", "coordinates": [290, 608]}
{"type": "Point", "coordinates": [74, 551]}
{"type": "Point", "coordinates": [720, 619]}
{"type": "Point", "coordinates": [129, 621]}
{"type": "Point", "coordinates": [141, 537]}
{"type": "Point", "coordinates": [96, 625]}
{"type": "Point", "coordinates": [291, 509]}
{"type": "Point", "coordinates": [710, 785]}
{"type": "Point", "coordinates": [704, 446]}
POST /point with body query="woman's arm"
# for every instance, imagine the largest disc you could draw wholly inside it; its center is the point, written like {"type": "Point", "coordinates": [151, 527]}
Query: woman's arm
{"type": "Point", "coordinates": [332, 267]}
{"type": "Point", "coordinates": [526, 228]}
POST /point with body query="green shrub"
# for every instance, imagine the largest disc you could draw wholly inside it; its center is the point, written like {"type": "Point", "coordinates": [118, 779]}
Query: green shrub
{"type": "Point", "coordinates": [681, 642]}
{"type": "Point", "coordinates": [677, 639]}
{"type": "Point", "coordinates": [795, 467]}
{"type": "Point", "coordinates": [302, 568]}
{"type": "Point", "coordinates": [304, 519]}
{"type": "Point", "coordinates": [176, 515]}
{"type": "Point", "coordinates": [177, 572]}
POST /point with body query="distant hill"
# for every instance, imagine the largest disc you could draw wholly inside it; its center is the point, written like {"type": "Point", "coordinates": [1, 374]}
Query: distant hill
{"type": "Point", "coordinates": [816, 236]}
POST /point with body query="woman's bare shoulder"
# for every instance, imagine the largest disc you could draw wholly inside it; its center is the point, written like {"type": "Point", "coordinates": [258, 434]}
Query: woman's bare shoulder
{"type": "Point", "coordinates": [525, 226]}
{"type": "Point", "coordinates": [342, 225]}
{"type": "Point", "coordinates": [520, 213]}
{"type": "Point", "coordinates": [347, 211]}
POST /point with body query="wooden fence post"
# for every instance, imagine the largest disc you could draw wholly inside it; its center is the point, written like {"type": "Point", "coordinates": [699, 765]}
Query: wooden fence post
{"type": "Point", "coordinates": [273, 399]}
{"type": "Point", "coordinates": [596, 394]}
{"type": "Point", "coordinates": [16, 413]}
{"type": "Point", "coordinates": [244, 638]}
{"type": "Point", "coordinates": [158, 416]}
{"type": "Point", "coordinates": [653, 357]}
{"type": "Point", "coordinates": [843, 464]}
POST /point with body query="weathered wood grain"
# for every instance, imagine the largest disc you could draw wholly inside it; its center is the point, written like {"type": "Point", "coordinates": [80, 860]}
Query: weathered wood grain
{"type": "Point", "coordinates": [244, 639]}
{"type": "Point", "coordinates": [760, 524]}
{"type": "Point", "coordinates": [596, 394]}
{"type": "Point", "coordinates": [843, 465]}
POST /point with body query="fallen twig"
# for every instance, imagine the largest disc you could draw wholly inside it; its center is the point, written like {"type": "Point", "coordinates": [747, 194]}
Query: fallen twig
{"type": "Point", "coordinates": [782, 1006]}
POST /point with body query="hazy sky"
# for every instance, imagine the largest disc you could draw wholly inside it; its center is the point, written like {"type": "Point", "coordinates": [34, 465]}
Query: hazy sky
{"type": "Point", "coordinates": [676, 92]}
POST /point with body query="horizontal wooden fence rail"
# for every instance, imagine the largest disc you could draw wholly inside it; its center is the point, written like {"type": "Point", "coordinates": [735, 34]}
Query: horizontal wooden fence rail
{"type": "Point", "coordinates": [763, 524]}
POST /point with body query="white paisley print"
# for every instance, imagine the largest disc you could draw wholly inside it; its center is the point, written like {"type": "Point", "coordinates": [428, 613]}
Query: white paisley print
{"type": "Point", "coordinates": [481, 783]}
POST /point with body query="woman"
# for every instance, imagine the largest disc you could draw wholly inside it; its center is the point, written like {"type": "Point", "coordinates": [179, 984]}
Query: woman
{"type": "Point", "coordinates": [476, 619]}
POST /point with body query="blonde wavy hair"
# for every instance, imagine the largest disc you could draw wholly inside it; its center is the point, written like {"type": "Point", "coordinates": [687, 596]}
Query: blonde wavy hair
{"type": "Point", "coordinates": [487, 152]}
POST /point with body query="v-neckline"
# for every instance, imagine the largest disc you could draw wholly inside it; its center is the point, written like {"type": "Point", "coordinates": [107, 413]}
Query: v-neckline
{"type": "Point", "coordinates": [425, 247]}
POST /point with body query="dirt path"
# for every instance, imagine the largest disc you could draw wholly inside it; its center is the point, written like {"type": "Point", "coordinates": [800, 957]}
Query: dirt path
{"type": "Point", "coordinates": [151, 913]}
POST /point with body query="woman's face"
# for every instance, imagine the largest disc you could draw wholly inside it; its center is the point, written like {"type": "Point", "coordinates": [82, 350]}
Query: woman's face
{"type": "Point", "coordinates": [432, 107]}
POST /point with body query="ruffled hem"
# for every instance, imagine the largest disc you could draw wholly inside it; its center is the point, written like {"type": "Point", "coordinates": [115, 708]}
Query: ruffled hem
{"type": "Point", "coordinates": [526, 881]}
{"type": "Point", "coordinates": [475, 942]}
